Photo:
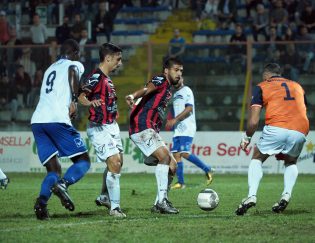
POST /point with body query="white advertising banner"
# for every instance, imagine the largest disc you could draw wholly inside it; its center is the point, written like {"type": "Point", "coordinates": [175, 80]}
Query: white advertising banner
{"type": "Point", "coordinates": [218, 149]}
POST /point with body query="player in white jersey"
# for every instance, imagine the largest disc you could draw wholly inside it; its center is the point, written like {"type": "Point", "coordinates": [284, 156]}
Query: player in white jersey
{"type": "Point", "coordinates": [184, 124]}
{"type": "Point", "coordinates": [53, 132]}
{"type": "Point", "coordinates": [4, 180]}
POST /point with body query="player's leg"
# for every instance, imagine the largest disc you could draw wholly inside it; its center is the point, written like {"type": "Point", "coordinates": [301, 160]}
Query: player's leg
{"type": "Point", "coordinates": [108, 146]}
{"type": "Point", "coordinates": [53, 174]}
{"type": "Point", "coordinates": [113, 184]}
{"type": "Point", "coordinates": [103, 198]}
{"type": "Point", "coordinates": [150, 160]}
{"type": "Point", "coordinates": [255, 174]}
{"type": "Point", "coordinates": [47, 153]}
{"type": "Point", "coordinates": [4, 180]}
{"type": "Point", "coordinates": [81, 165]}
{"type": "Point", "coordinates": [180, 184]}
{"type": "Point", "coordinates": [292, 150]}
{"type": "Point", "coordinates": [151, 144]}
{"type": "Point", "coordinates": [290, 176]}
{"type": "Point", "coordinates": [165, 168]}
{"type": "Point", "coordinates": [176, 150]}
{"type": "Point", "coordinates": [172, 171]}
{"type": "Point", "coordinates": [272, 141]}
{"type": "Point", "coordinates": [199, 163]}
{"type": "Point", "coordinates": [69, 144]}
{"type": "Point", "coordinates": [186, 143]}
{"type": "Point", "coordinates": [171, 174]}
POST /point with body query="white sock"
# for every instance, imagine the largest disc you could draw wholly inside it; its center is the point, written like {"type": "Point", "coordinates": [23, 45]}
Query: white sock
{"type": "Point", "coordinates": [113, 186]}
{"type": "Point", "coordinates": [161, 174]}
{"type": "Point", "coordinates": [255, 174]}
{"type": "Point", "coordinates": [290, 176]}
{"type": "Point", "coordinates": [2, 175]}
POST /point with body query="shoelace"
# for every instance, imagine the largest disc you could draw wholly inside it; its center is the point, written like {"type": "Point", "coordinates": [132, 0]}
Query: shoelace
{"type": "Point", "coordinates": [168, 202]}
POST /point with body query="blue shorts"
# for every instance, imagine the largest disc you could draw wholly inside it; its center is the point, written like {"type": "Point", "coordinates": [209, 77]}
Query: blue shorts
{"type": "Point", "coordinates": [57, 139]}
{"type": "Point", "coordinates": [182, 144]}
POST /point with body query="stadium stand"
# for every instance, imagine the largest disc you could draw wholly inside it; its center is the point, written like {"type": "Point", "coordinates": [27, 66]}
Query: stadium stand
{"type": "Point", "coordinates": [144, 33]}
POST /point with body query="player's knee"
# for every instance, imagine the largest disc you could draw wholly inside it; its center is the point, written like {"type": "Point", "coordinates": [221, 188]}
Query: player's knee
{"type": "Point", "coordinates": [173, 166]}
{"type": "Point", "coordinates": [85, 157]}
{"type": "Point", "coordinates": [288, 163]}
{"type": "Point", "coordinates": [165, 159]}
{"type": "Point", "coordinates": [185, 155]}
{"type": "Point", "coordinates": [80, 157]}
{"type": "Point", "coordinates": [116, 167]}
{"type": "Point", "coordinates": [172, 170]}
{"type": "Point", "coordinates": [114, 164]}
{"type": "Point", "coordinates": [289, 160]}
{"type": "Point", "coordinates": [177, 156]}
{"type": "Point", "coordinates": [53, 166]}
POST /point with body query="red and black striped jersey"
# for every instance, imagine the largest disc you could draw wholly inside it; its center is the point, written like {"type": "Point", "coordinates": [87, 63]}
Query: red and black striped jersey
{"type": "Point", "coordinates": [149, 112]}
{"type": "Point", "coordinates": [99, 86]}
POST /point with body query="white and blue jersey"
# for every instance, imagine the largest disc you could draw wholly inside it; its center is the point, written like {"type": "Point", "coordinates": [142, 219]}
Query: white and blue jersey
{"type": "Point", "coordinates": [55, 94]}
{"type": "Point", "coordinates": [181, 99]}
{"type": "Point", "coordinates": [51, 124]}
{"type": "Point", "coordinates": [185, 130]}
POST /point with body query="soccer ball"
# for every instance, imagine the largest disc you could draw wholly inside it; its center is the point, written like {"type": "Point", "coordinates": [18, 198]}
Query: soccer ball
{"type": "Point", "coordinates": [208, 199]}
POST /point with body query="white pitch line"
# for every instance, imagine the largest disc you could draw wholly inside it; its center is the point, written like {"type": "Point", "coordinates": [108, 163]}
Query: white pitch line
{"type": "Point", "coordinates": [39, 227]}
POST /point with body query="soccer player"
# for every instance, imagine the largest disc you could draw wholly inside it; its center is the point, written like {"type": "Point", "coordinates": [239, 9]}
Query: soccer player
{"type": "Point", "coordinates": [4, 180]}
{"type": "Point", "coordinates": [184, 124]}
{"type": "Point", "coordinates": [286, 125]}
{"type": "Point", "coordinates": [146, 120]}
{"type": "Point", "coordinates": [98, 92]}
{"type": "Point", "coordinates": [53, 132]}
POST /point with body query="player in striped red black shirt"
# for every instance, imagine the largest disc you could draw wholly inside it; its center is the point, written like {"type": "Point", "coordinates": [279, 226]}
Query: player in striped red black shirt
{"type": "Point", "coordinates": [146, 120]}
{"type": "Point", "coordinates": [149, 113]}
{"type": "Point", "coordinates": [98, 92]}
{"type": "Point", "coordinates": [103, 89]}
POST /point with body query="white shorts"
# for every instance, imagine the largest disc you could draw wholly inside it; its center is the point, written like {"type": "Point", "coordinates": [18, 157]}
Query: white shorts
{"type": "Point", "coordinates": [147, 141]}
{"type": "Point", "coordinates": [106, 140]}
{"type": "Point", "coordinates": [275, 140]}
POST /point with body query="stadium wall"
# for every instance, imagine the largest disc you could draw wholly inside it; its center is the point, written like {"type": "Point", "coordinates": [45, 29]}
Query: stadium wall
{"type": "Point", "coordinates": [219, 149]}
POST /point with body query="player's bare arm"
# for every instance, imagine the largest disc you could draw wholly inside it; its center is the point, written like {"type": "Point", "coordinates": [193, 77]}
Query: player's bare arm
{"type": "Point", "coordinates": [130, 99]}
{"type": "Point", "coordinates": [252, 126]}
{"type": "Point", "coordinates": [86, 102]}
{"type": "Point", "coordinates": [73, 78]}
{"type": "Point", "coordinates": [180, 117]}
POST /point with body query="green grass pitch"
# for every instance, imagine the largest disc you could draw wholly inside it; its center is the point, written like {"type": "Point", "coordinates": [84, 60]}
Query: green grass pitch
{"type": "Point", "coordinates": [89, 223]}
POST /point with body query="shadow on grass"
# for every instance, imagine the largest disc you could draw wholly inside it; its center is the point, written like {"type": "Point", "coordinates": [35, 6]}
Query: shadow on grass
{"type": "Point", "coordinates": [146, 214]}
{"type": "Point", "coordinates": [270, 212]}
{"type": "Point", "coordinates": [79, 214]}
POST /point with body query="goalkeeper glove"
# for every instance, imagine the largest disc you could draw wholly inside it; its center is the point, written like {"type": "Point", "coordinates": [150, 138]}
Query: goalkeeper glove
{"type": "Point", "coordinates": [245, 141]}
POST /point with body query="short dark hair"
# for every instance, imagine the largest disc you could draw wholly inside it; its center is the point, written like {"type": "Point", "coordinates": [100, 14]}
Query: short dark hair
{"type": "Point", "coordinates": [273, 68]}
{"type": "Point", "coordinates": [108, 49]}
{"type": "Point", "coordinates": [70, 46]}
{"type": "Point", "coordinates": [171, 61]}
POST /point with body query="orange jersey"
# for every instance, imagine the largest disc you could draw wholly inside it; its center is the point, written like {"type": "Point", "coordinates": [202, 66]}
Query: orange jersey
{"type": "Point", "coordinates": [284, 102]}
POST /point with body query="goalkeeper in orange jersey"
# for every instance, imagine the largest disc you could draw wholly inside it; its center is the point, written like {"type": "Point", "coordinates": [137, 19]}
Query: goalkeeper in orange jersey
{"type": "Point", "coordinates": [286, 126]}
